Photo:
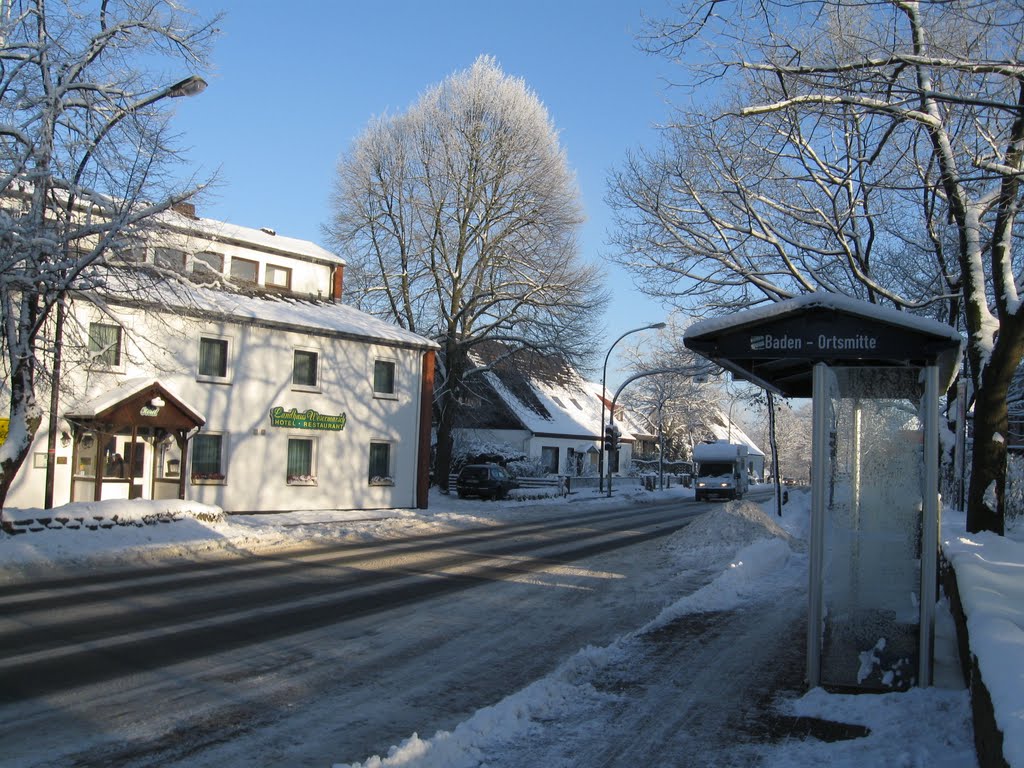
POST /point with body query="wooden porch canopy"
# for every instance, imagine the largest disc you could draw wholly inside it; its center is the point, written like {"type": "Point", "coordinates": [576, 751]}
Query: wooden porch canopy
{"type": "Point", "coordinates": [136, 405]}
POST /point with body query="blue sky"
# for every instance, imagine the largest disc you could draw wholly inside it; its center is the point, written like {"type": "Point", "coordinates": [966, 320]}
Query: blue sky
{"type": "Point", "coordinates": [295, 83]}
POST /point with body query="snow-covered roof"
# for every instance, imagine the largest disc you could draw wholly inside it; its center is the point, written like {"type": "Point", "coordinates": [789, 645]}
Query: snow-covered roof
{"type": "Point", "coordinates": [314, 317]}
{"type": "Point", "coordinates": [264, 239]}
{"type": "Point", "coordinates": [548, 397]}
{"type": "Point", "coordinates": [735, 435]}
{"type": "Point", "coordinates": [824, 300]}
{"type": "Point", "coordinates": [570, 410]}
{"type": "Point", "coordinates": [98, 404]}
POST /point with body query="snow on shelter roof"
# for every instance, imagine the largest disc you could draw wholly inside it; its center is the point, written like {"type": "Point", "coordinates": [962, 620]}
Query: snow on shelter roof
{"type": "Point", "coordinates": [777, 345]}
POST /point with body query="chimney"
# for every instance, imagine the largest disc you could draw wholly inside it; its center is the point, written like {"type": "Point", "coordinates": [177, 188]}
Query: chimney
{"type": "Point", "coordinates": [337, 281]}
{"type": "Point", "coordinates": [185, 209]}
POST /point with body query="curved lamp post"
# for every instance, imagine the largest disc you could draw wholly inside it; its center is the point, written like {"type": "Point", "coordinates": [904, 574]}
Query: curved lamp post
{"type": "Point", "coordinates": [630, 380]}
{"type": "Point", "coordinates": [190, 86]}
{"type": "Point", "coordinates": [604, 389]}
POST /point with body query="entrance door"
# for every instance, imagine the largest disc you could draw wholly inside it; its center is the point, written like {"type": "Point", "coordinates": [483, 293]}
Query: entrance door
{"type": "Point", "coordinates": [135, 458]}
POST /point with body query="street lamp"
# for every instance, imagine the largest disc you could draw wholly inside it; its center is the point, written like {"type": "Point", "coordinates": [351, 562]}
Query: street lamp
{"type": "Point", "coordinates": [622, 386]}
{"type": "Point", "coordinates": [190, 86]}
{"type": "Point", "coordinates": [604, 389]}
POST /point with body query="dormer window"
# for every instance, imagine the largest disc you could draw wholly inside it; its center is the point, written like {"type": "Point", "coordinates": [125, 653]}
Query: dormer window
{"type": "Point", "coordinates": [279, 277]}
{"type": "Point", "coordinates": [207, 262]}
{"type": "Point", "coordinates": [244, 270]}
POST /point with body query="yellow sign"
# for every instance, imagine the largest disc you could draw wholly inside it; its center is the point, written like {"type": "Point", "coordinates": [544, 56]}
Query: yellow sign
{"type": "Point", "coordinates": [310, 419]}
{"type": "Point", "coordinates": [4, 426]}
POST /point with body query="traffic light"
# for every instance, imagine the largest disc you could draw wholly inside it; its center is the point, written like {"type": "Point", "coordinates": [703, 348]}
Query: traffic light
{"type": "Point", "coordinates": [611, 437]}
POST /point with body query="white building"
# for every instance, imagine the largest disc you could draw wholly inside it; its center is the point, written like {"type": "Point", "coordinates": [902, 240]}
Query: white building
{"type": "Point", "coordinates": [255, 390]}
{"type": "Point", "coordinates": [542, 407]}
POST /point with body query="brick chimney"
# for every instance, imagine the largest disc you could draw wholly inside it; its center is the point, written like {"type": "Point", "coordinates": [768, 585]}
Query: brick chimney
{"type": "Point", "coordinates": [185, 209]}
{"type": "Point", "coordinates": [337, 282]}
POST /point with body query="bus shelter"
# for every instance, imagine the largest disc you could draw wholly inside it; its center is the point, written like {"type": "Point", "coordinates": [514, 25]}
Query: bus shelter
{"type": "Point", "coordinates": [875, 376]}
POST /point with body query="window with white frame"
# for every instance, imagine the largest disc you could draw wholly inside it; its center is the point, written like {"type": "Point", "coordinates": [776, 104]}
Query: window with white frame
{"type": "Point", "coordinates": [380, 463]}
{"type": "Point", "coordinates": [306, 369]}
{"type": "Point", "coordinates": [214, 359]}
{"type": "Point", "coordinates": [105, 344]}
{"type": "Point", "coordinates": [208, 458]}
{"type": "Point", "coordinates": [384, 378]}
{"type": "Point", "coordinates": [301, 469]}
{"type": "Point", "coordinates": [279, 277]}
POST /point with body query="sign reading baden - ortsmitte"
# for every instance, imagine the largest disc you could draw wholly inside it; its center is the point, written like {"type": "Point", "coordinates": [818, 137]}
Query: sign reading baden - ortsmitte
{"type": "Point", "coordinates": [308, 419]}
{"type": "Point", "coordinates": [822, 342]}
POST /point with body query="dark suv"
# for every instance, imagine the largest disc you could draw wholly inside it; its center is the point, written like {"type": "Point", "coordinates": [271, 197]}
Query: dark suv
{"type": "Point", "coordinates": [484, 480]}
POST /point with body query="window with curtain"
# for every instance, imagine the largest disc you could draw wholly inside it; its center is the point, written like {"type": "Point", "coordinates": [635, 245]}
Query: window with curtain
{"type": "Point", "coordinates": [300, 461]}
{"type": "Point", "coordinates": [105, 343]}
{"type": "Point", "coordinates": [380, 464]}
{"type": "Point", "coordinates": [304, 368]}
{"type": "Point", "coordinates": [213, 358]}
{"type": "Point", "coordinates": [384, 377]}
{"type": "Point", "coordinates": [207, 458]}
{"type": "Point", "coordinates": [279, 277]}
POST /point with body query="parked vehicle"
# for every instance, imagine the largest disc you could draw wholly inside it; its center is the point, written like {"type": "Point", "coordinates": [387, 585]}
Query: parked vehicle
{"type": "Point", "coordinates": [721, 470]}
{"type": "Point", "coordinates": [484, 480]}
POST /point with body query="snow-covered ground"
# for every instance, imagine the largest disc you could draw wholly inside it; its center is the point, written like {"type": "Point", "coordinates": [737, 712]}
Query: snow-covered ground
{"type": "Point", "coordinates": [917, 728]}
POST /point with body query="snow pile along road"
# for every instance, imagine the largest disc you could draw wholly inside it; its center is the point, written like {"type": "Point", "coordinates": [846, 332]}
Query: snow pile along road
{"type": "Point", "coordinates": [715, 679]}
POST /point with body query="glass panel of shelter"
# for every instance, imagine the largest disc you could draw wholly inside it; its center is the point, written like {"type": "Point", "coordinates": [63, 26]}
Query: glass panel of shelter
{"type": "Point", "coordinates": [872, 529]}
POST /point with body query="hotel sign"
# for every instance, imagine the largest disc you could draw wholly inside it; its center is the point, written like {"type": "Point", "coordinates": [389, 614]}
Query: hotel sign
{"type": "Point", "coordinates": [308, 419]}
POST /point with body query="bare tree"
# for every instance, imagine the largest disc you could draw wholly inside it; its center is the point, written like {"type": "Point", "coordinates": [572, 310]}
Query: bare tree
{"type": "Point", "coordinates": [83, 146]}
{"type": "Point", "coordinates": [684, 402]}
{"type": "Point", "coordinates": [459, 218]}
{"type": "Point", "coordinates": [871, 148]}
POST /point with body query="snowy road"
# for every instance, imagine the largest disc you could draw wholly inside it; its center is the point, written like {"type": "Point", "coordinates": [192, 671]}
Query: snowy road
{"type": "Point", "coordinates": [332, 654]}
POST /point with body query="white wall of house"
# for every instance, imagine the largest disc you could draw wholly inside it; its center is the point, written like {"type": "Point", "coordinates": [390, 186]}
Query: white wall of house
{"type": "Point", "coordinates": [261, 357]}
{"type": "Point", "coordinates": [238, 407]}
{"type": "Point", "coordinates": [536, 446]}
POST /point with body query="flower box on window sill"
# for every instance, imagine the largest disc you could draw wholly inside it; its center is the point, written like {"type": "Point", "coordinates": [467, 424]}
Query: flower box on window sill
{"type": "Point", "coordinates": [301, 480]}
{"type": "Point", "coordinates": [208, 478]}
{"type": "Point", "coordinates": [382, 481]}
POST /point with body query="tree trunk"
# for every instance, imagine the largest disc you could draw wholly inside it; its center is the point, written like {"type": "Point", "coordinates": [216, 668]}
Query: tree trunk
{"type": "Point", "coordinates": [24, 422]}
{"type": "Point", "coordinates": [443, 457]}
{"type": "Point", "coordinates": [986, 496]}
{"type": "Point", "coordinates": [448, 406]}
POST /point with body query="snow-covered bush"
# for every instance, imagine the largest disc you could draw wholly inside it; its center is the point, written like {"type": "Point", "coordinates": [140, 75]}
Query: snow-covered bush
{"type": "Point", "coordinates": [527, 466]}
{"type": "Point", "coordinates": [469, 449]}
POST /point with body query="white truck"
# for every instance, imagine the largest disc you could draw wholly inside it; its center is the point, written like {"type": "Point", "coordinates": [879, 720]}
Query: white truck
{"type": "Point", "coordinates": [721, 470]}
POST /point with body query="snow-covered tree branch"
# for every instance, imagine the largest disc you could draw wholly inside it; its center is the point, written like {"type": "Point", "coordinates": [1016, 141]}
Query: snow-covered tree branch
{"type": "Point", "coordinates": [459, 219]}
{"type": "Point", "coordinates": [84, 142]}
{"type": "Point", "coordinates": [872, 149]}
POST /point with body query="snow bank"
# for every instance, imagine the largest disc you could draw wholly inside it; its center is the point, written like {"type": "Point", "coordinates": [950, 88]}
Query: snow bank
{"type": "Point", "coordinates": [990, 577]}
